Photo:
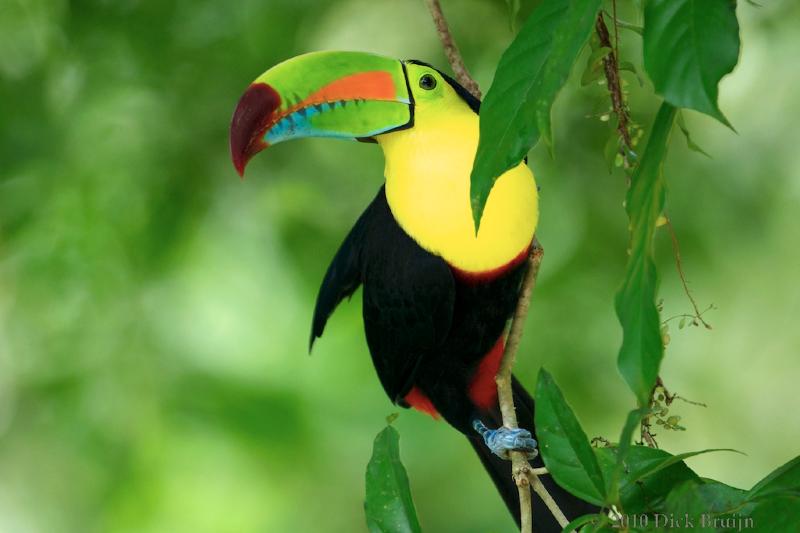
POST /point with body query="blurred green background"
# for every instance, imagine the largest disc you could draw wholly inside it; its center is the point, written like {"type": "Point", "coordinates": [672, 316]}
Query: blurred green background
{"type": "Point", "coordinates": [154, 309]}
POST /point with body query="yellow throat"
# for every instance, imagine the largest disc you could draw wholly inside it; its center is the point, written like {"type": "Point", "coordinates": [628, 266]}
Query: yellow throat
{"type": "Point", "coordinates": [427, 187]}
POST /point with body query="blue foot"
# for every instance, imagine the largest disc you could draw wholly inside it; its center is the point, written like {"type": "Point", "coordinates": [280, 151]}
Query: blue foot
{"type": "Point", "coordinates": [503, 440]}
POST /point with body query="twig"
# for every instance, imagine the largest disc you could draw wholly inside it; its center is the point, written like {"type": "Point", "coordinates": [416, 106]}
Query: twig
{"type": "Point", "coordinates": [524, 475]}
{"type": "Point", "coordinates": [687, 315]}
{"type": "Point", "coordinates": [451, 50]}
{"type": "Point", "coordinates": [676, 249]}
{"type": "Point", "coordinates": [611, 69]}
{"type": "Point", "coordinates": [548, 500]}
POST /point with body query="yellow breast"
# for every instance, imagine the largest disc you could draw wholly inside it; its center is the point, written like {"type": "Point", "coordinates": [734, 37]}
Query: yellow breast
{"type": "Point", "coordinates": [427, 187]}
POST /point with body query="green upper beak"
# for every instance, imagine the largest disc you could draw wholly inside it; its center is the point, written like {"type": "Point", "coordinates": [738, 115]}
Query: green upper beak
{"type": "Point", "coordinates": [349, 95]}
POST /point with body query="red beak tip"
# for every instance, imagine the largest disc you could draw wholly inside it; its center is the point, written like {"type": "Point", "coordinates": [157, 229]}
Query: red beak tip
{"type": "Point", "coordinates": [253, 112]}
{"type": "Point", "coordinates": [239, 165]}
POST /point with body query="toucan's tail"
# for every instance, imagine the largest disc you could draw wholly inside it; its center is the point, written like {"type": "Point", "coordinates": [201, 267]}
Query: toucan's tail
{"type": "Point", "coordinates": [500, 472]}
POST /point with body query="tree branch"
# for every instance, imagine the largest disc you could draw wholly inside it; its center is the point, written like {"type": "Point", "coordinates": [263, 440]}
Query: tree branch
{"type": "Point", "coordinates": [451, 50]}
{"type": "Point", "coordinates": [524, 475]}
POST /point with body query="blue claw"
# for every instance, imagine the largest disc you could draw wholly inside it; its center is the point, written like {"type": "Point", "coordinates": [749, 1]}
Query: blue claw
{"type": "Point", "coordinates": [503, 440]}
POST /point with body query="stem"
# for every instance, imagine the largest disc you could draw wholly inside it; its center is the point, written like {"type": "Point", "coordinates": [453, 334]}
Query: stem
{"type": "Point", "coordinates": [548, 500]}
{"type": "Point", "coordinates": [451, 50]}
{"type": "Point", "coordinates": [611, 69]}
{"type": "Point", "coordinates": [524, 475]}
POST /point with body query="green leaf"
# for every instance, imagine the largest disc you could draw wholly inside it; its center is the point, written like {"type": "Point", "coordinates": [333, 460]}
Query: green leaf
{"type": "Point", "coordinates": [784, 478]}
{"type": "Point", "coordinates": [631, 423]}
{"type": "Point", "coordinates": [773, 504]}
{"type": "Point", "coordinates": [516, 111]}
{"type": "Point", "coordinates": [689, 142]}
{"type": "Point", "coordinates": [646, 495]}
{"type": "Point", "coordinates": [628, 26]}
{"type": "Point", "coordinates": [630, 67]}
{"type": "Point", "coordinates": [650, 469]}
{"type": "Point", "coordinates": [593, 70]}
{"type": "Point", "coordinates": [389, 506]}
{"type": "Point", "coordinates": [697, 503]}
{"type": "Point", "coordinates": [581, 521]}
{"type": "Point", "coordinates": [642, 348]}
{"type": "Point", "coordinates": [779, 513]}
{"type": "Point", "coordinates": [565, 448]}
{"type": "Point", "coordinates": [689, 45]}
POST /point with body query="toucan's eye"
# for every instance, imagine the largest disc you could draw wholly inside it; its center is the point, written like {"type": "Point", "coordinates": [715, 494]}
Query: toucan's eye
{"type": "Point", "coordinates": [427, 82]}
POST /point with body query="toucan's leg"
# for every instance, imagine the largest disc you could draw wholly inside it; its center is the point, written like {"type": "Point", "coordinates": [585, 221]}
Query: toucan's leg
{"type": "Point", "coordinates": [503, 440]}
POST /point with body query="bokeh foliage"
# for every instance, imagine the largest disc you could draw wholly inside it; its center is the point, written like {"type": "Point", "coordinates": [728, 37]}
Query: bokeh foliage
{"type": "Point", "coordinates": [154, 310]}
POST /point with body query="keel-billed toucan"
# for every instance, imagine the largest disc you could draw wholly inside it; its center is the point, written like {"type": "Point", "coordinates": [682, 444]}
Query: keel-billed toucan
{"type": "Point", "coordinates": [437, 295]}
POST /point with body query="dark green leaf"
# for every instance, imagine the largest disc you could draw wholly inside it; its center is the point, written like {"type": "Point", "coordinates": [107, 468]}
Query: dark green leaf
{"type": "Point", "coordinates": [784, 478]}
{"type": "Point", "coordinates": [689, 142]}
{"type": "Point", "coordinates": [389, 506]}
{"type": "Point", "coordinates": [603, 526]}
{"type": "Point", "coordinates": [648, 494]}
{"type": "Point", "coordinates": [576, 524]}
{"type": "Point", "coordinates": [642, 349]}
{"type": "Point", "coordinates": [778, 513]}
{"type": "Point", "coordinates": [516, 111]}
{"type": "Point", "coordinates": [565, 448]}
{"type": "Point", "coordinates": [631, 423]}
{"type": "Point", "coordinates": [650, 469]}
{"type": "Point", "coordinates": [689, 45]}
{"type": "Point", "coordinates": [698, 503]}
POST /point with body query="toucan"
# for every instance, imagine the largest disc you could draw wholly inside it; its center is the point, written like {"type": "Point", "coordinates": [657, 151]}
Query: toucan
{"type": "Point", "coordinates": [436, 294]}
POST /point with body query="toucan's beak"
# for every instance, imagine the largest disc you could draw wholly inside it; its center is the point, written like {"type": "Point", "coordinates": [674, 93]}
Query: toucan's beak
{"type": "Point", "coordinates": [349, 95]}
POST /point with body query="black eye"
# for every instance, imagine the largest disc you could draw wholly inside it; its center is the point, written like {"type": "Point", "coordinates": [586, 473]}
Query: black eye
{"type": "Point", "coordinates": [427, 82]}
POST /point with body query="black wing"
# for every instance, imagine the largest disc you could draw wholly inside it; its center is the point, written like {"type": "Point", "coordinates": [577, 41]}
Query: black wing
{"type": "Point", "coordinates": [344, 275]}
{"type": "Point", "coordinates": [409, 296]}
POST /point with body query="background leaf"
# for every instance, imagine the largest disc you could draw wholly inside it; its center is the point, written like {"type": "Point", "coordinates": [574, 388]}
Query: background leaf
{"type": "Point", "coordinates": [642, 349]}
{"type": "Point", "coordinates": [513, 11]}
{"type": "Point", "coordinates": [516, 111]}
{"type": "Point", "coordinates": [564, 446]}
{"type": "Point", "coordinates": [389, 506]}
{"type": "Point", "coordinates": [689, 45]}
